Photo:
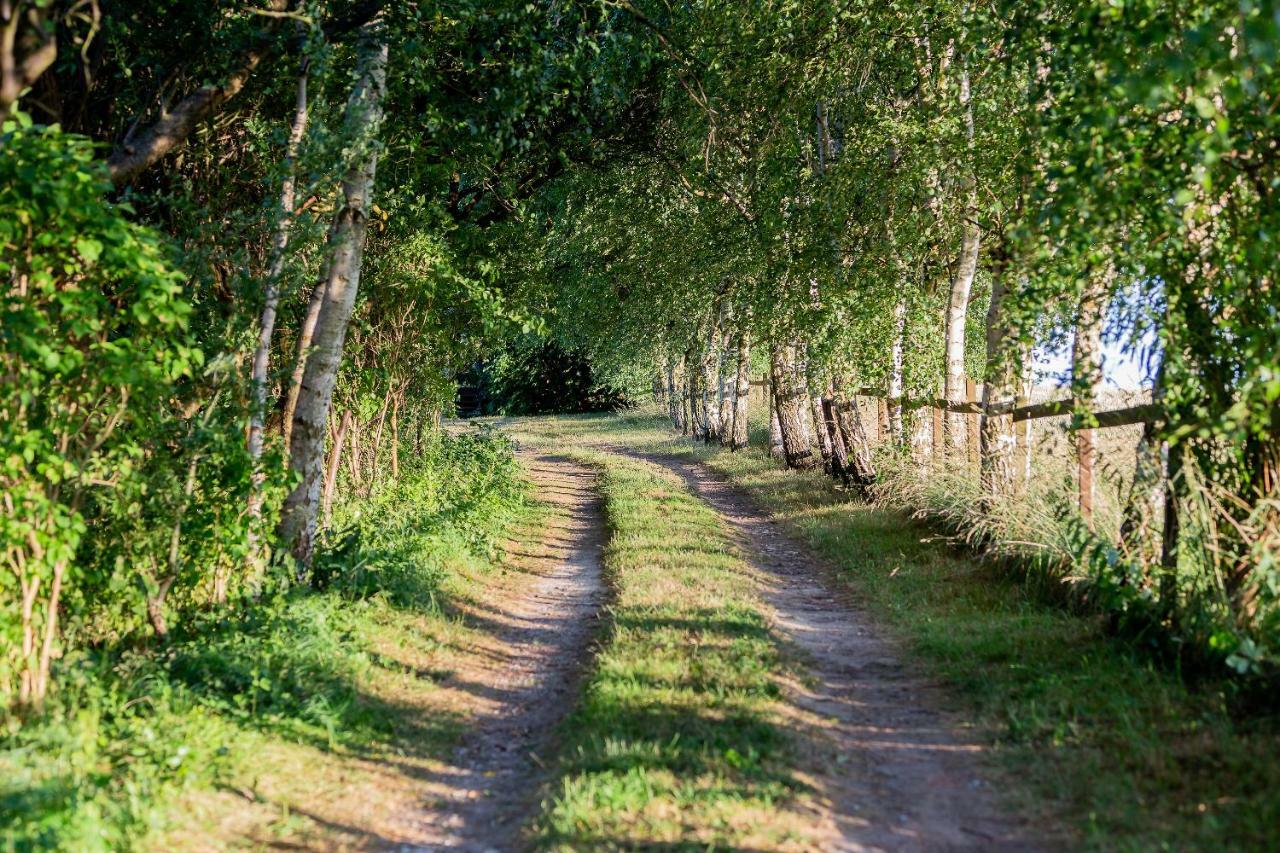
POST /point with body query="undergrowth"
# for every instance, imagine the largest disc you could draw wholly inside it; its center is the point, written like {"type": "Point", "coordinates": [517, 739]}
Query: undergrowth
{"type": "Point", "coordinates": [134, 724]}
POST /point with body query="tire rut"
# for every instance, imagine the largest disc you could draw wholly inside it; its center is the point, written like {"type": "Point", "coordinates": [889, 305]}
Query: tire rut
{"type": "Point", "coordinates": [895, 771]}
{"type": "Point", "coordinates": [483, 800]}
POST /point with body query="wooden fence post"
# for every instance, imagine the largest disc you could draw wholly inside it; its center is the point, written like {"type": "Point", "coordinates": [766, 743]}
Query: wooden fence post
{"type": "Point", "coordinates": [1085, 452]}
{"type": "Point", "coordinates": [974, 424]}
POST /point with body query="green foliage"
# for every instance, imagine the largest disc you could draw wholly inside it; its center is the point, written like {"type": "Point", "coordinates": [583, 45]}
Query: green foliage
{"type": "Point", "coordinates": [131, 728]}
{"type": "Point", "coordinates": [94, 345]}
{"type": "Point", "coordinates": [453, 496]}
{"type": "Point", "coordinates": [537, 377]}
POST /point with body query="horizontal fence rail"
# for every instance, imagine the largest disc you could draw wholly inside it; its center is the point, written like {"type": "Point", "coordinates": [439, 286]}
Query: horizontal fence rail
{"type": "Point", "coordinates": [1127, 416]}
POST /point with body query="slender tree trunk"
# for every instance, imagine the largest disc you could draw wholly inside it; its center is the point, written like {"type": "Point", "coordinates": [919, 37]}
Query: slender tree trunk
{"type": "Point", "coordinates": [687, 404]}
{"type": "Point", "coordinates": [961, 288]}
{"type": "Point", "coordinates": [710, 380]}
{"type": "Point", "coordinates": [697, 414]}
{"type": "Point", "coordinates": [336, 443]}
{"type": "Point", "coordinates": [727, 390]}
{"type": "Point", "coordinates": [395, 436]}
{"type": "Point", "coordinates": [374, 467]}
{"type": "Point", "coordinates": [363, 118]}
{"type": "Point", "coordinates": [673, 396]}
{"type": "Point", "coordinates": [271, 287]}
{"type": "Point", "coordinates": [998, 393]}
{"type": "Point", "coordinates": [775, 425]}
{"type": "Point", "coordinates": [354, 468]}
{"type": "Point", "coordinates": [790, 404]}
{"type": "Point", "coordinates": [1086, 381]}
{"type": "Point", "coordinates": [742, 392]}
{"type": "Point", "coordinates": [305, 333]}
{"type": "Point", "coordinates": [1026, 435]}
{"type": "Point", "coordinates": [155, 602]}
{"type": "Point", "coordinates": [1175, 490]}
{"type": "Point", "coordinates": [806, 400]}
{"type": "Point", "coordinates": [896, 429]}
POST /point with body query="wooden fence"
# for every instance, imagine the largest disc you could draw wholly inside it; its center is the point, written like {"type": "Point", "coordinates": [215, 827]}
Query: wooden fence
{"type": "Point", "coordinates": [1127, 416]}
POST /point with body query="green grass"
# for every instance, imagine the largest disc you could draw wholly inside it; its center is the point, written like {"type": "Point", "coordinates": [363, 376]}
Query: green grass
{"type": "Point", "coordinates": [1091, 730]}
{"type": "Point", "coordinates": [280, 689]}
{"type": "Point", "coordinates": [677, 739]}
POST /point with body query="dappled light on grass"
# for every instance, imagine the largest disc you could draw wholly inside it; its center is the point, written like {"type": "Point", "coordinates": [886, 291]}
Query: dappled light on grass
{"type": "Point", "coordinates": [1087, 723]}
{"type": "Point", "coordinates": [278, 702]}
{"type": "Point", "coordinates": [678, 738]}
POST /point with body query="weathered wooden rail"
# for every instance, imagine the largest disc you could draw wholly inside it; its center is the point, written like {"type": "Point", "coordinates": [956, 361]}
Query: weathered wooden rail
{"type": "Point", "coordinates": [1127, 416]}
{"type": "Point", "coordinates": [1144, 413]}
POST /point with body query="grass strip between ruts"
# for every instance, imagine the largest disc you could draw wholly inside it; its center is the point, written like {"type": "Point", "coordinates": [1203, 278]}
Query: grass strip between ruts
{"type": "Point", "coordinates": [676, 740]}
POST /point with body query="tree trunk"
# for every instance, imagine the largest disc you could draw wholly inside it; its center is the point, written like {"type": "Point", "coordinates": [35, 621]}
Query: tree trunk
{"type": "Point", "coordinates": [155, 603]}
{"type": "Point", "coordinates": [727, 391]}
{"type": "Point", "coordinates": [710, 380]}
{"type": "Point", "coordinates": [363, 118]}
{"type": "Point", "coordinates": [818, 419]}
{"type": "Point", "coordinates": [673, 396]}
{"type": "Point", "coordinates": [688, 407]}
{"type": "Point", "coordinates": [806, 400]}
{"type": "Point", "coordinates": [336, 443]}
{"type": "Point", "coordinates": [395, 436]}
{"type": "Point", "coordinates": [270, 302]}
{"type": "Point", "coordinates": [896, 429]}
{"type": "Point", "coordinates": [790, 404]}
{"type": "Point", "coordinates": [742, 392]}
{"type": "Point", "coordinates": [354, 468]}
{"type": "Point", "coordinates": [858, 462]}
{"type": "Point", "coordinates": [1026, 433]}
{"type": "Point", "coordinates": [374, 466]}
{"type": "Point", "coordinates": [775, 425]}
{"type": "Point", "coordinates": [305, 333]}
{"type": "Point", "coordinates": [961, 288]}
{"type": "Point", "coordinates": [1086, 381]}
{"type": "Point", "coordinates": [697, 415]}
{"type": "Point", "coordinates": [839, 465]}
{"type": "Point", "coordinates": [998, 392]}
{"type": "Point", "coordinates": [1175, 489]}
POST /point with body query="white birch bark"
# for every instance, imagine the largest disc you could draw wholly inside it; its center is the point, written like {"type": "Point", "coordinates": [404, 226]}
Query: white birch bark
{"type": "Point", "coordinates": [270, 303]}
{"type": "Point", "coordinates": [346, 247]}
{"type": "Point", "coordinates": [962, 285]}
{"type": "Point", "coordinates": [998, 392]}
{"type": "Point", "coordinates": [895, 371]}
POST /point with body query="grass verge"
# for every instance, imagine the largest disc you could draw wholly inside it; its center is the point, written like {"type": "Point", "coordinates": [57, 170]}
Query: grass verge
{"type": "Point", "coordinates": [1090, 729]}
{"type": "Point", "coordinates": [677, 741]}
{"type": "Point", "coordinates": [305, 717]}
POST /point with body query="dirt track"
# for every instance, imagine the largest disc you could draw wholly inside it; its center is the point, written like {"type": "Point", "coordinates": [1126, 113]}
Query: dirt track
{"type": "Point", "coordinates": [893, 770]}
{"type": "Point", "coordinates": [896, 772]}
{"type": "Point", "coordinates": [522, 691]}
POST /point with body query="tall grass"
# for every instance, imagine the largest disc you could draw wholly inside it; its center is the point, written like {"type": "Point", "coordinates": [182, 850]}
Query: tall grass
{"type": "Point", "coordinates": [135, 725]}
